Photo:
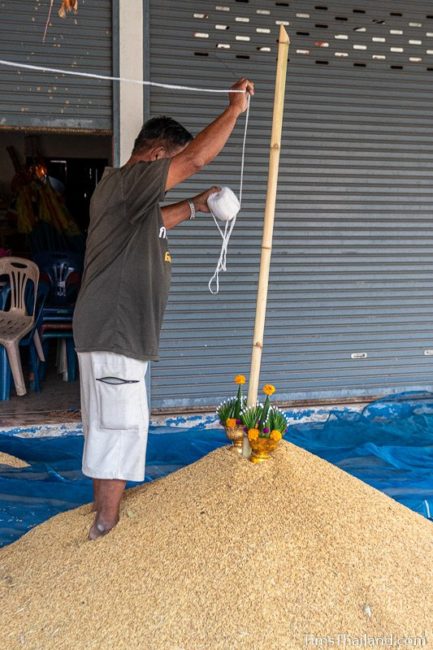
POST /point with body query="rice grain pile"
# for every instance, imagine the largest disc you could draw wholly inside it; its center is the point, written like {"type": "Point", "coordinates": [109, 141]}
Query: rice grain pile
{"type": "Point", "coordinates": [225, 555]}
{"type": "Point", "coordinates": [12, 461]}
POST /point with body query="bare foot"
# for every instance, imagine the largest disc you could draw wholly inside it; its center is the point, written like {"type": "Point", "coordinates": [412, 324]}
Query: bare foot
{"type": "Point", "coordinates": [107, 496]}
{"type": "Point", "coordinates": [100, 528]}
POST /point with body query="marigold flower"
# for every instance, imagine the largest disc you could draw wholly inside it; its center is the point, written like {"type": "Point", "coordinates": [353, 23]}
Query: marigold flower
{"type": "Point", "coordinates": [253, 434]}
{"type": "Point", "coordinates": [230, 422]}
{"type": "Point", "coordinates": [275, 435]}
{"type": "Point", "coordinates": [240, 379]}
{"type": "Point", "coordinates": [268, 389]}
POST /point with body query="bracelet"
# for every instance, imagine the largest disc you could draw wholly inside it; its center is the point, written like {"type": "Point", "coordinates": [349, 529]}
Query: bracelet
{"type": "Point", "coordinates": [192, 209]}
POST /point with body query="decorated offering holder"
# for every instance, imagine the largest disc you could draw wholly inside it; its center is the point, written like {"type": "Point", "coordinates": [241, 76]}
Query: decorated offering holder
{"type": "Point", "coordinates": [264, 425]}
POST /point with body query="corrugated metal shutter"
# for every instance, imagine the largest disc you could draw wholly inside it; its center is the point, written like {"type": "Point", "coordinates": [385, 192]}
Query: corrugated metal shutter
{"type": "Point", "coordinates": [352, 261]}
{"type": "Point", "coordinates": [38, 100]}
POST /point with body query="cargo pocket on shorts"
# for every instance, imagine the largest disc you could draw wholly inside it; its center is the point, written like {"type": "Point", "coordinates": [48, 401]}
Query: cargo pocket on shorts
{"type": "Point", "coordinates": [119, 402]}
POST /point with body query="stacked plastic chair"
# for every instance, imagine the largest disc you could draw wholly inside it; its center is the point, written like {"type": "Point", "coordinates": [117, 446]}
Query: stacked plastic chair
{"type": "Point", "coordinates": [20, 291]}
{"type": "Point", "coordinates": [62, 271]}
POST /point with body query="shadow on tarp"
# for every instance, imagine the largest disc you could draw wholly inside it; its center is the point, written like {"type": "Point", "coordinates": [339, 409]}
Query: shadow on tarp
{"type": "Point", "coordinates": [389, 445]}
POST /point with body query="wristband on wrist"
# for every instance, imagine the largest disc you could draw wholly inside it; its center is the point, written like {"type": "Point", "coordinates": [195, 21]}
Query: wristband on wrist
{"type": "Point", "coordinates": [192, 209]}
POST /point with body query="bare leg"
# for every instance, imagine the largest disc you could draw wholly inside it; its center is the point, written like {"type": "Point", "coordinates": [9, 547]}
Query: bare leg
{"type": "Point", "coordinates": [109, 495]}
{"type": "Point", "coordinates": [96, 487]}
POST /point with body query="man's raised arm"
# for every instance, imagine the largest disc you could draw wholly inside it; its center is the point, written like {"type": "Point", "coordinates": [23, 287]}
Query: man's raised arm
{"type": "Point", "coordinates": [209, 142]}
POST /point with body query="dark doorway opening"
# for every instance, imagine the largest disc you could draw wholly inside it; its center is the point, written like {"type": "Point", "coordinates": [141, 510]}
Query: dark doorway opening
{"type": "Point", "coordinates": [77, 179]}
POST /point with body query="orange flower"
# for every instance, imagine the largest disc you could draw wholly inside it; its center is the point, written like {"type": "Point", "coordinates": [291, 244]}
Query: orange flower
{"type": "Point", "coordinates": [253, 434]}
{"type": "Point", "coordinates": [231, 422]}
{"type": "Point", "coordinates": [240, 379]}
{"type": "Point", "coordinates": [268, 389]}
{"type": "Point", "coordinates": [275, 435]}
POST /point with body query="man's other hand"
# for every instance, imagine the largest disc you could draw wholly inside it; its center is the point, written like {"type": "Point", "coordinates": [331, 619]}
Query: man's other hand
{"type": "Point", "coordinates": [239, 101]}
{"type": "Point", "coordinates": [200, 201]}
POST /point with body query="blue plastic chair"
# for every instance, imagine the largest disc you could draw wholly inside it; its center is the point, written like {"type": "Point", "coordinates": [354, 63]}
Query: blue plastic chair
{"type": "Point", "coordinates": [57, 324]}
{"type": "Point", "coordinates": [63, 271]}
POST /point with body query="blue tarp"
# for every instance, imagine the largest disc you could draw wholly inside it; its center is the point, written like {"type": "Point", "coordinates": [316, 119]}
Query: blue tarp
{"type": "Point", "coordinates": [389, 445]}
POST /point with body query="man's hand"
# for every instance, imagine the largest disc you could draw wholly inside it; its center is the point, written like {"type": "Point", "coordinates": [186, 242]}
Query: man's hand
{"type": "Point", "coordinates": [239, 101]}
{"type": "Point", "coordinates": [200, 201]}
{"type": "Point", "coordinates": [174, 214]}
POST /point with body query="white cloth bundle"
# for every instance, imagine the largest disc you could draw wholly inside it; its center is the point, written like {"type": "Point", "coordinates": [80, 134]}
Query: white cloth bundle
{"type": "Point", "coordinates": [224, 205]}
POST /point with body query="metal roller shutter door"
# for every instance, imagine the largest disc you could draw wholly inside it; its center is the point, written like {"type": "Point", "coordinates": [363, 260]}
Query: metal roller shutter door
{"type": "Point", "coordinates": [352, 267]}
{"type": "Point", "coordinates": [38, 100]}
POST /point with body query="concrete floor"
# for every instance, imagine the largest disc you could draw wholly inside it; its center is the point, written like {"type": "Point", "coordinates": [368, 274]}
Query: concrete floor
{"type": "Point", "coordinates": [58, 402]}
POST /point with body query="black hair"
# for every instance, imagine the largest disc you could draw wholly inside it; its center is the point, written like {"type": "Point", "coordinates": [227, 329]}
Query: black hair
{"type": "Point", "coordinates": [161, 129]}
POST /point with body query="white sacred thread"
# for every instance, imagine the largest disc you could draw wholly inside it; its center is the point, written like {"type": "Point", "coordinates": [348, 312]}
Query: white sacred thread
{"type": "Point", "coordinates": [91, 75]}
{"type": "Point", "coordinates": [224, 205]}
{"type": "Point", "coordinates": [229, 225]}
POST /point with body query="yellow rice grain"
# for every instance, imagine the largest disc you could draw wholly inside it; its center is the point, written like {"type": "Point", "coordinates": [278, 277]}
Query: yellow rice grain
{"type": "Point", "coordinates": [225, 555]}
{"type": "Point", "coordinates": [12, 461]}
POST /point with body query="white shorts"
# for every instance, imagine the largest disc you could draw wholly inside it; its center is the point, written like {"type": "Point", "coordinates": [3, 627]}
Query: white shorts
{"type": "Point", "coordinates": [115, 415]}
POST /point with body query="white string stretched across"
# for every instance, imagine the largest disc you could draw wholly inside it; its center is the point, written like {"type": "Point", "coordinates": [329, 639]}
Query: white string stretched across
{"type": "Point", "coordinates": [91, 75]}
{"type": "Point", "coordinates": [229, 225]}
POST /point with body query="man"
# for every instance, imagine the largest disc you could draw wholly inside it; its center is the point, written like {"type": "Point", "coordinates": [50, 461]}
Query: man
{"type": "Point", "coordinates": [121, 304]}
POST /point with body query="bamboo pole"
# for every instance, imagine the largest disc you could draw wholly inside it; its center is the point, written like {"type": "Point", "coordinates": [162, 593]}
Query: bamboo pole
{"type": "Point", "coordinates": [268, 225]}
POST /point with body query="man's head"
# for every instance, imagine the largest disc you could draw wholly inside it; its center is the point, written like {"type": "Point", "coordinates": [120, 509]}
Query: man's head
{"type": "Point", "coordinates": [160, 137]}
